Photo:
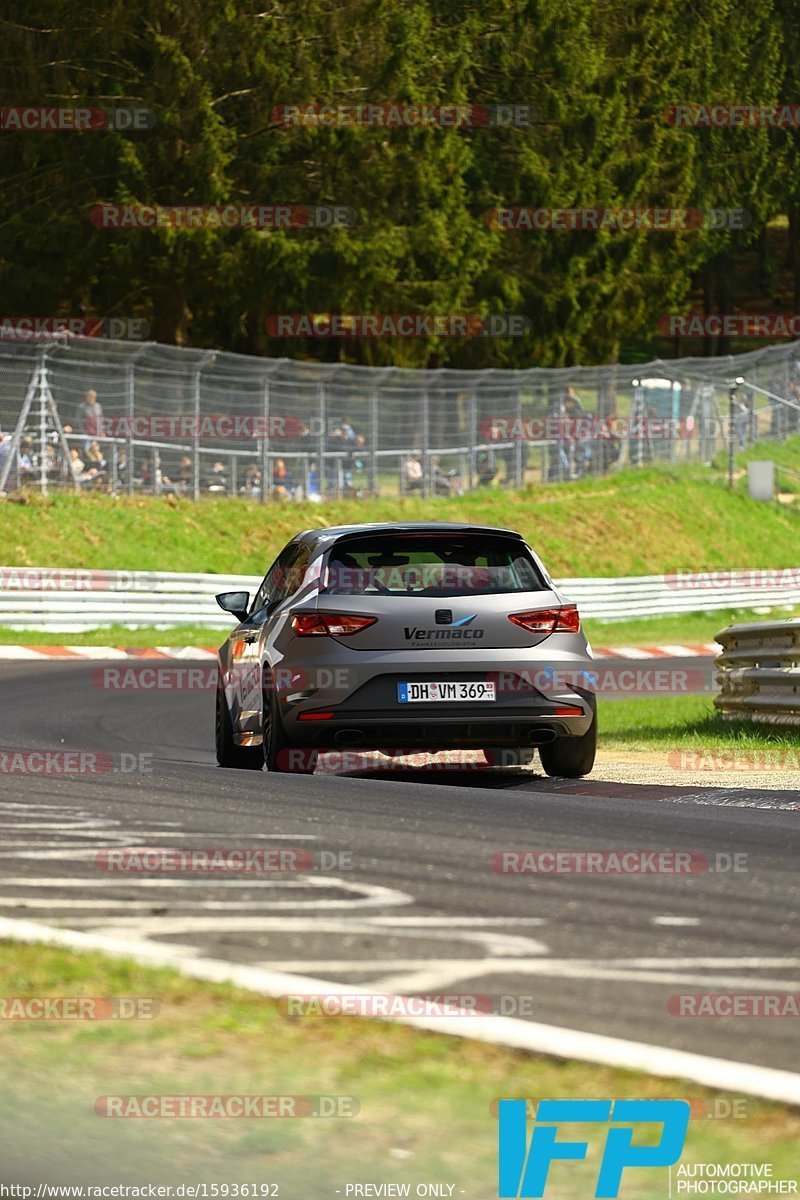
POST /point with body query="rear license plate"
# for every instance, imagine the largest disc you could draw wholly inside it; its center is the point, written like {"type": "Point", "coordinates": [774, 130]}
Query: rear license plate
{"type": "Point", "coordinates": [442, 692]}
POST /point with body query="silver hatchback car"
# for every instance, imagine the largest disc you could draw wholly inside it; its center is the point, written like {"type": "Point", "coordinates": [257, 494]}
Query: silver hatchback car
{"type": "Point", "coordinates": [405, 637]}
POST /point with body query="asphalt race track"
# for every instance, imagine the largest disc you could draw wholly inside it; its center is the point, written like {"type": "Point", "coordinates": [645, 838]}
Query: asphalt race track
{"type": "Point", "coordinates": [417, 906]}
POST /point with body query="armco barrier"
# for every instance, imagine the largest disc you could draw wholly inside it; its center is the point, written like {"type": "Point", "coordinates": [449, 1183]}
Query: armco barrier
{"type": "Point", "coordinates": [759, 673]}
{"type": "Point", "coordinates": [71, 601]}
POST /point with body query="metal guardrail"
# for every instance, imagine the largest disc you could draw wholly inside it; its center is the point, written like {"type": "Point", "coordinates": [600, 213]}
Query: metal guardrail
{"type": "Point", "coordinates": [74, 600]}
{"type": "Point", "coordinates": [759, 673]}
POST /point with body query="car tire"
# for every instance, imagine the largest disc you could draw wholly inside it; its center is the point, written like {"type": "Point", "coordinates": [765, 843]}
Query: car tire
{"type": "Point", "coordinates": [571, 757]}
{"type": "Point", "coordinates": [276, 751]}
{"type": "Point", "coordinates": [242, 758]}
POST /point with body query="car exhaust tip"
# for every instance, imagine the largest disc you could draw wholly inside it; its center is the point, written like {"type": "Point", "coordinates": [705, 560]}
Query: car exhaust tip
{"type": "Point", "coordinates": [349, 737]}
{"type": "Point", "coordinates": [540, 737]}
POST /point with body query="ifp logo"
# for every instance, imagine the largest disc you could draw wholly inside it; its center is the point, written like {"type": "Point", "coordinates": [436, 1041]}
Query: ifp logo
{"type": "Point", "coordinates": [523, 1169]}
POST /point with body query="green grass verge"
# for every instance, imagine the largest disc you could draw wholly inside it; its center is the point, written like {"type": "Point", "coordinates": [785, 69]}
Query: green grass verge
{"type": "Point", "coordinates": [118, 635]}
{"type": "Point", "coordinates": [634, 523]}
{"type": "Point", "coordinates": [784, 454]}
{"type": "Point", "coordinates": [692, 628]}
{"type": "Point", "coordinates": [683, 723]}
{"type": "Point", "coordinates": [424, 1100]}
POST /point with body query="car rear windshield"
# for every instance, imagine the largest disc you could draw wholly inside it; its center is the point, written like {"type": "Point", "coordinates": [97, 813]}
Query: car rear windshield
{"type": "Point", "coordinates": [435, 565]}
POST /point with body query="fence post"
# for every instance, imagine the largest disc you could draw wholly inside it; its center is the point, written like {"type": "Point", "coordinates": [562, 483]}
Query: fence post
{"type": "Point", "coordinates": [43, 384]}
{"type": "Point", "coordinates": [561, 415]}
{"type": "Point", "coordinates": [732, 386]}
{"type": "Point", "coordinates": [130, 393]}
{"type": "Point", "coordinates": [473, 439]}
{"type": "Point", "coordinates": [264, 442]}
{"type": "Point", "coordinates": [519, 471]}
{"type": "Point", "coordinates": [373, 442]}
{"type": "Point", "coordinates": [196, 435]}
{"type": "Point", "coordinates": [426, 444]}
{"type": "Point", "coordinates": [323, 473]}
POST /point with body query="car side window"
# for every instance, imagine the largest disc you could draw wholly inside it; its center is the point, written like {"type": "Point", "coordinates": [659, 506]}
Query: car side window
{"type": "Point", "coordinates": [260, 597]}
{"type": "Point", "coordinates": [283, 578]}
{"type": "Point", "coordinates": [296, 572]}
{"type": "Point", "coordinates": [270, 585]}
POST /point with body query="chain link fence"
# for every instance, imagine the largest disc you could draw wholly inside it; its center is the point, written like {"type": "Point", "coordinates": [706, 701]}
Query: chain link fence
{"type": "Point", "coordinates": [165, 419]}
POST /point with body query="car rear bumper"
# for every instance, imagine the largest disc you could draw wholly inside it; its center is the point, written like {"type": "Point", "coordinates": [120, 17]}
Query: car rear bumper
{"type": "Point", "coordinates": [437, 726]}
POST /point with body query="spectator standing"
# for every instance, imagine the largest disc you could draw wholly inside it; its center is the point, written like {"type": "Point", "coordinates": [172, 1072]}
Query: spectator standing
{"type": "Point", "coordinates": [185, 473]}
{"type": "Point", "coordinates": [90, 414]}
{"type": "Point", "coordinates": [281, 479]}
{"type": "Point", "coordinates": [412, 474]}
{"type": "Point", "coordinates": [25, 460]}
{"type": "Point", "coordinates": [217, 480]}
{"type": "Point", "coordinates": [5, 453]}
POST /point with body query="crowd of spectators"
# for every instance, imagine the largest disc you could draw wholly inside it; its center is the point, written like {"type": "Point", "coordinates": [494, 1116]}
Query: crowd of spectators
{"type": "Point", "coordinates": [340, 463]}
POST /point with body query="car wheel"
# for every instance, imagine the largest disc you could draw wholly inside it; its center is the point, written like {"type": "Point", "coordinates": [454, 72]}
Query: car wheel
{"type": "Point", "coordinates": [509, 756]}
{"type": "Point", "coordinates": [277, 753]}
{"type": "Point", "coordinates": [571, 757]}
{"type": "Point", "coordinates": [244, 758]}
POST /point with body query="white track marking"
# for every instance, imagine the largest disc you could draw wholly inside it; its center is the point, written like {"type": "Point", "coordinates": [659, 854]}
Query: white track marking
{"type": "Point", "coordinates": [56, 905]}
{"type": "Point", "coordinates": [676, 920]}
{"type": "Point", "coordinates": [93, 826]}
{"type": "Point", "coordinates": [186, 652]}
{"type": "Point", "coordinates": [97, 652]}
{"type": "Point", "coordinates": [724, 1075]}
{"type": "Point", "coordinates": [457, 922]}
{"type": "Point", "coordinates": [134, 882]}
{"type": "Point", "coordinates": [366, 966]}
{"type": "Point", "coordinates": [358, 895]}
{"type": "Point", "coordinates": [747, 963]}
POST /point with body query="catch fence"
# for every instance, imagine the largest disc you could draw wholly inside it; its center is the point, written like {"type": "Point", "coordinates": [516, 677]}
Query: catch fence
{"type": "Point", "coordinates": [200, 422]}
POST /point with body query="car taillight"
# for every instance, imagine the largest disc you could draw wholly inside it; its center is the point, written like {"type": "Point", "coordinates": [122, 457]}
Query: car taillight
{"type": "Point", "coordinates": [549, 620]}
{"type": "Point", "coordinates": [329, 624]}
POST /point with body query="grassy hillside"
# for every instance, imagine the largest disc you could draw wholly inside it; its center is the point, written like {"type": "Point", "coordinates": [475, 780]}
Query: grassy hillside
{"type": "Point", "coordinates": [635, 523]}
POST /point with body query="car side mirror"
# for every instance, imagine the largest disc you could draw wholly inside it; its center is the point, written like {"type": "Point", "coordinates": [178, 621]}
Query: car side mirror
{"type": "Point", "coordinates": [234, 602]}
